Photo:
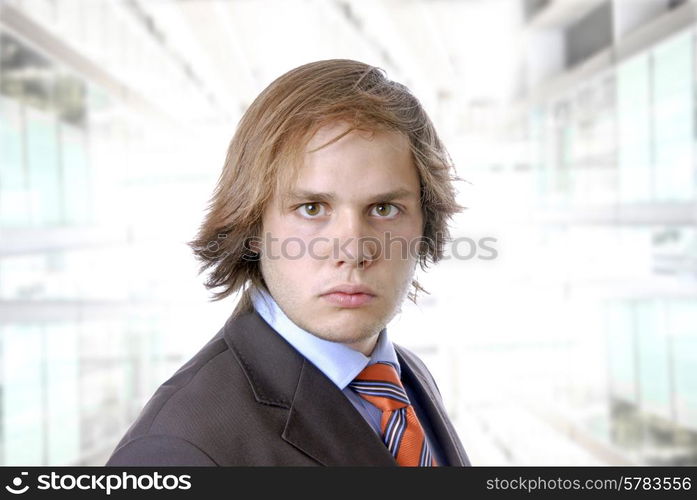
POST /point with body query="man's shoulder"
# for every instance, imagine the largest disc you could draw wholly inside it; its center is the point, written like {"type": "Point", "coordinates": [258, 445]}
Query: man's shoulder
{"type": "Point", "coordinates": [191, 383]}
{"type": "Point", "coordinates": [203, 390]}
{"type": "Point", "coordinates": [196, 382]}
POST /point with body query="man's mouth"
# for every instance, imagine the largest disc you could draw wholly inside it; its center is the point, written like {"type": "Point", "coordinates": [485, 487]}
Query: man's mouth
{"type": "Point", "coordinates": [349, 300]}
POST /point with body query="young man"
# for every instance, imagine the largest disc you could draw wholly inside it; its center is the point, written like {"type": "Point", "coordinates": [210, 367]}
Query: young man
{"type": "Point", "coordinates": [334, 188]}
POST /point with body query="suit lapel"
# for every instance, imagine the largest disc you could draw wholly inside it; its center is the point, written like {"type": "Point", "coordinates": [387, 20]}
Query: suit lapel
{"type": "Point", "coordinates": [321, 421]}
{"type": "Point", "coordinates": [325, 425]}
{"type": "Point", "coordinates": [431, 405]}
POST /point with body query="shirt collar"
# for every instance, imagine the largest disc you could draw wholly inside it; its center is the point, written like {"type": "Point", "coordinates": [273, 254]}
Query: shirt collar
{"type": "Point", "coordinates": [338, 362]}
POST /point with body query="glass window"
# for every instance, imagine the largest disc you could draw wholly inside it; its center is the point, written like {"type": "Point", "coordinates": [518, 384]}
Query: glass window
{"type": "Point", "coordinates": [633, 124]}
{"type": "Point", "coordinates": [43, 168]}
{"type": "Point", "coordinates": [63, 416]}
{"type": "Point", "coordinates": [654, 370]}
{"type": "Point", "coordinates": [621, 351]}
{"type": "Point", "coordinates": [682, 317]}
{"type": "Point", "coordinates": [22, 395]}
{"type": "Point", "coordinates": [14, 208]}
{"type": "Point", "coordinates": [76, 176]}
{"type": "Point", "coordinates": [561, 157]}
{"type": "Point", "coordinates": [673, 119]}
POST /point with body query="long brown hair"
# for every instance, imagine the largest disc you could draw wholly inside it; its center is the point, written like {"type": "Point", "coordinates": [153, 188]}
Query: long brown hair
{"type": "Point", "coordinates": [266, 151]}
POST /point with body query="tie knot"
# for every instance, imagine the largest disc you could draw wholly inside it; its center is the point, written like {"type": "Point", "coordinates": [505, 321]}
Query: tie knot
{"type": "Point", "coordinates": [379, 384]}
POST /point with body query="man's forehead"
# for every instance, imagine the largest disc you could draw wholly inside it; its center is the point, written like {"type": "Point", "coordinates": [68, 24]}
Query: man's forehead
{"type": "Point", "coordinates": [290, 180]}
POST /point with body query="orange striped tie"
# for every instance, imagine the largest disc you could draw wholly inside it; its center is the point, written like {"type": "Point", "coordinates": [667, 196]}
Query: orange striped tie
{"type": "Point", "coordinates": [401, 431]}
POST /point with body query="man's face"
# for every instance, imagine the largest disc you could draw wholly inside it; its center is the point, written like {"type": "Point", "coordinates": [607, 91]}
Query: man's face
{"type": "Point", "coordinates": [324, 232]}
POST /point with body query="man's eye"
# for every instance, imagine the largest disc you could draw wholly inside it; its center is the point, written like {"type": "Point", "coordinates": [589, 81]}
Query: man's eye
{"type": "Point", "coordinates": [310, 209]}
{"type": "Point", "coordinates": [385, 210]}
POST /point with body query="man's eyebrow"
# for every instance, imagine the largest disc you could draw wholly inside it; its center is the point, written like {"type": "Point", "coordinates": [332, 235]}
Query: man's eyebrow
{"type": "Point", "coordinates": [299, 195]}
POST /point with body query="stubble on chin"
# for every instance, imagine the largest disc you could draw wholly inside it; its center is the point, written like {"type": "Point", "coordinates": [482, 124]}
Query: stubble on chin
{"type": "Point", "coordinates": [345, 331]}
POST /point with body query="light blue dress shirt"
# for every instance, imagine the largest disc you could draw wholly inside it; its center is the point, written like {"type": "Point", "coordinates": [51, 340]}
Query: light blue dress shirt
{"type": "Point", "coordinates": [340, 363]}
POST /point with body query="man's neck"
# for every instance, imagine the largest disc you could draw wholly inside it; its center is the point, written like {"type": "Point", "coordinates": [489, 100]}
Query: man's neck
{"type": "Point", "coordinates": [365, 346]}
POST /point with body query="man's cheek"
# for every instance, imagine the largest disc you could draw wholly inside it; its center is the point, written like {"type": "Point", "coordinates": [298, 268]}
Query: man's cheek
{"type": "Point", "coordinates": [292, 248]}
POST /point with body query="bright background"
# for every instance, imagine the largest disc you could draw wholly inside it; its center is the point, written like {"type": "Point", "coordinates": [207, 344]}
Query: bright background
{"type": "Point", "coordinates": [573, 123]}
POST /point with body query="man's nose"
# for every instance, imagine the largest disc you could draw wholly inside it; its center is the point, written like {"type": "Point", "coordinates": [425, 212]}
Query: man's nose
{"type": "Point", "coordinates": [354, 242]}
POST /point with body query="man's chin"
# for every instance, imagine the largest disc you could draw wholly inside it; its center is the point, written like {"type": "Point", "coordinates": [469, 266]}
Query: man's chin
{"type": "Point", "coordinates": [357, 331]}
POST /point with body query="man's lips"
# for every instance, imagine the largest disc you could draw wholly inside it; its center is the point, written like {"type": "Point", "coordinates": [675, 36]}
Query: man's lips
{"type": "Point", "coordinates": [350, 288]}
{"type": "Point", "coordinates": [349, 295]}
{"type": "Point", "coordinates": [349, 300]}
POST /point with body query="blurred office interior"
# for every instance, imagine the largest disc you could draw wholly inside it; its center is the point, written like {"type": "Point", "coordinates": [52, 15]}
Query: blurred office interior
{"type": "Point", "coordinates": [572, 123]}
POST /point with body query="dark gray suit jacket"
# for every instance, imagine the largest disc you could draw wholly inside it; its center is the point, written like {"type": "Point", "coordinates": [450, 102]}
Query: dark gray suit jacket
{"type": "Point", "coordinates": [249, 398]}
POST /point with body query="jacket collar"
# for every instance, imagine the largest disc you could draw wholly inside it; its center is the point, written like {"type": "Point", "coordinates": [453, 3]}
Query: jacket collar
{"type": "Point", "coordinates": [321, 421]}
